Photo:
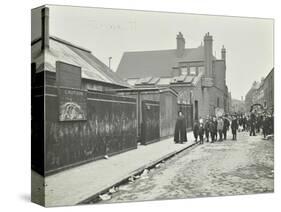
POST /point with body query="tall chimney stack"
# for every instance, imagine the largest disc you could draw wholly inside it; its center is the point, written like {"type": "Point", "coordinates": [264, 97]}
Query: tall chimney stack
{"type": "Point", "coordinates": [180, 45]}
{"type": "Point", "coordinates": [44, 28]}
{"type": "Point", "coordinates": [208, 54]}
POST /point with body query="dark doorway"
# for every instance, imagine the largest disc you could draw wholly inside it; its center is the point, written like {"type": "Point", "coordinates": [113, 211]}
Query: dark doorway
{"type": "Point", "coordinates": [196, 110]}
{"type": "Point", "coordinates": [150, 126]}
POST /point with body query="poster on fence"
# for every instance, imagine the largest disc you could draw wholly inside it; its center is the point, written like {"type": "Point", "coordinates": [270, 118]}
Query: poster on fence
{"type": "Point", "coordinates": [72, 104]}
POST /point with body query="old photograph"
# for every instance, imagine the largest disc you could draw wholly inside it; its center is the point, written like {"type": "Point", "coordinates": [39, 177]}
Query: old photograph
{"type": "Point", "coordinates": [132, 105]}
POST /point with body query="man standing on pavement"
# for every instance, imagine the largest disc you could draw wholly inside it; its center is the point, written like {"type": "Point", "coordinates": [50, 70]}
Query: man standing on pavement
{"type": "Point", "coordinates": [225, 127]}
{"type": "Point", "coordinates": [180, 129]}
{"type": "Point", "coordinates": [234, 127]}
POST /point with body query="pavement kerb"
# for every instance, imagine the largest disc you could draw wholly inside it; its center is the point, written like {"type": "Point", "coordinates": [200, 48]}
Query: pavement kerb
{"type": "Point", "coordinates": [123, 179]}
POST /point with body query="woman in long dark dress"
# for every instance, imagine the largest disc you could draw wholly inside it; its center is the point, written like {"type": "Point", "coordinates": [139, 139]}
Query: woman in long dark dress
{"type": "Point", "coordinates": [180, 129]}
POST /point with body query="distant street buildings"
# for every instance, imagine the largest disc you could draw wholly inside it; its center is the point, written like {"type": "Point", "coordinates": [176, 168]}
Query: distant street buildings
{"type": "Point", "coordinates": [238, 106]}
{"type": "Point", "coordinates": [262, 93]}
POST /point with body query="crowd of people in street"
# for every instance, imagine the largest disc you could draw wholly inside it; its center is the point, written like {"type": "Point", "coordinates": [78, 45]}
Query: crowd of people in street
{"type": "Point", "coordinates": [215, 128]}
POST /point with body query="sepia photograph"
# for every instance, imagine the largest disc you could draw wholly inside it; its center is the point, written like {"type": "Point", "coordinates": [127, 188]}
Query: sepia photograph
{"type": "Point", "coordinates": [131, 105]}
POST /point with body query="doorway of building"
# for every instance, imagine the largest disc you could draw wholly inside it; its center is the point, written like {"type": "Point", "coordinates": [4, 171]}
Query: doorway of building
{"type": "Point", "coordinates": [196, 110]}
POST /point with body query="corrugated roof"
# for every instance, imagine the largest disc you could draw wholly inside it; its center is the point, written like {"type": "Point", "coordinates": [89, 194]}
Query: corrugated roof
{"type": "Point", "coordinates": [157, 63]}
{"type": "Point", "coordinates": [60, 50]}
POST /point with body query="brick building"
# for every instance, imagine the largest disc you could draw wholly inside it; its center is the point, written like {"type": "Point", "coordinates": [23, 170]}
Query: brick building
{"type": "Point", "coordinates": [195, 74]}
{"type": "Point", "coordinates": [262, 93]}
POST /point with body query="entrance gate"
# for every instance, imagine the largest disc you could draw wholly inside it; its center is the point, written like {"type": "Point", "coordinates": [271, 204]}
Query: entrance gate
{"type": "Point", "coordinates": [150, 126]}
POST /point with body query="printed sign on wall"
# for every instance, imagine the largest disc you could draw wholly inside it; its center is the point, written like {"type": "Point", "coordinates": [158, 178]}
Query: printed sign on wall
{"type": "Point", "coordinates": [72, 105]}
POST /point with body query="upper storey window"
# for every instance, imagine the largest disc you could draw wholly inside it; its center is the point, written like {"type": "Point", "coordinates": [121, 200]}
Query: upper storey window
{"type": "Point", "coordinates": [184, 71]}
{"type": "Point", "coordinates": [201, 69]}
{"type": "Point", "coordinates": [192, 71]}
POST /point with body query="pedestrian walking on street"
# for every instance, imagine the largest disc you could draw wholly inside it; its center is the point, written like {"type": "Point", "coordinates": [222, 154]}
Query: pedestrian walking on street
{"type": "Point", "coordinates": [180, 129]}
{"type": "Point", "coordinates": [234, 127]}
{"type": "Point", "coordinates": [244, 123]}
{"type": "Point", "coordinates": [264, 126]}
{"type": "Point", "coordinates": [252, 122]}
{"type": "Point", "coordinates": [271, 124]}
{"type": "Point", "coordinates": [201, 133]}
{"type": "Point", "coordinates": [259, 123]}
{"type": "Point", "coordinates": [213, 129]}
{"type": "Point", "coordinates": [240, 123]}
{"type": "Point", "coordinates": [226, 125]}
{"type": "Point", "coordinates": [220, 127]}
{"type": "Point", "coordinates": [196, 130]}
{"type": "Point", "coordinates": [207, 129]}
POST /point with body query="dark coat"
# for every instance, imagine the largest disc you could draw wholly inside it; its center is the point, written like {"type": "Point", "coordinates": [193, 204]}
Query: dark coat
{"type": "Point", "coordinates": [207, 126]}
{"type": "Point", "coordinates": [196, 129]}
{"type": "Point", "coordinates": [216, 126]}
{"type": "Point", "coordinates": [253, 120]}
{"type": "Point", "coordinates": [265, 123]}
{"type": "Point", "coordinates": [180, 130]}
{"type": "Point", "coordinates": [225, 124]}
{"type": "Point", "coordinates": [201, 130]}
{"type": "Point", "coordinates": [212, 127]}
{"type": "Point", "coordinates": [234, 125]}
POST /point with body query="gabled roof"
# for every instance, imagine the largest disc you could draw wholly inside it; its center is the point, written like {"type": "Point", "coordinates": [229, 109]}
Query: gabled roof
{"type": "Point", "coordinates": [157, 63]}
{"type": "Point", "coordinates": [60, 50]}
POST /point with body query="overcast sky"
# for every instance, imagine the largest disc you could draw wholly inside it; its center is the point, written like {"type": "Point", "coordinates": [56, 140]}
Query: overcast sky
{"type": "Point", "coordinates": [108, 33]}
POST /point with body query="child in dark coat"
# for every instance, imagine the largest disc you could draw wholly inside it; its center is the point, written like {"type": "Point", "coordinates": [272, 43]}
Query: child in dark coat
{"type": "Point", "coordinates": [196, 130]}
{"type": "Point", "coordinates": [234, 127]}
{"type": "Point", "coordinates": [201, 133]}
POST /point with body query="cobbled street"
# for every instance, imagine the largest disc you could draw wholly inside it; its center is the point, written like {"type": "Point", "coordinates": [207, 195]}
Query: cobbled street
{"type": "Point", "coordinates": [223, 168]}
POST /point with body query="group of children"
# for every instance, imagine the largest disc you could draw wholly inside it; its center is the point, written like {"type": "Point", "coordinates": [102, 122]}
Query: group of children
{"type": "Point", "coordinates": [215, 128]}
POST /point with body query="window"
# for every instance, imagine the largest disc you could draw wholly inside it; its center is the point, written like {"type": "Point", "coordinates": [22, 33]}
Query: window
{"type": "Point", "coordinates": [192, 71]}
{"type": "Point", "coordinates": [201, 69]}
{"type": "Point", "coordinates": [218, 102]}
{"type": "Point", "coordinates": [183, 70]}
